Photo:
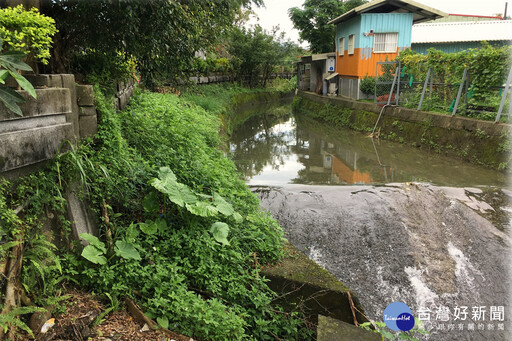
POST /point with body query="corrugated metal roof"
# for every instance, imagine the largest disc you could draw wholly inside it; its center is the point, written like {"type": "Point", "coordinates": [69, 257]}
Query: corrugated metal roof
{"type": "Point", "coordinates": [420, 12]}
{"type": "Point", "coordinates": [447, 32]}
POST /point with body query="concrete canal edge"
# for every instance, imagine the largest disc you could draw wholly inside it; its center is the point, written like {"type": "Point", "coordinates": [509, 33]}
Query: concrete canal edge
{"type": "Point", "coordinates": [327, 302]}
{"type": "Point", "coordinates": [476, 141]}
{"type": "Point", "coordinates": [330, 329]}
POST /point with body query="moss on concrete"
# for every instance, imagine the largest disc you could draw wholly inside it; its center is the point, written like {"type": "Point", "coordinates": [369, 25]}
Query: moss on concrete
{"type": "Point", "coordinates": [298, 267]}
{"type": "Point", "coordinates": [478, 142]}
{"type": "Point", "coordinates": [330, 329]}
{"type": "Point", "coordinates": [301, 282]}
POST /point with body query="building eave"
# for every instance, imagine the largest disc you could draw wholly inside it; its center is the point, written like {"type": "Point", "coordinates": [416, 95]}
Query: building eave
{"type": "Point", "coordinates": [421, 13]}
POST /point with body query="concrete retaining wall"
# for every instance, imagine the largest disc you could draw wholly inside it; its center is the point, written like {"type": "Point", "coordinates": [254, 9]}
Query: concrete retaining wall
{"type": "Point", "coordinates": [124, 92]}
{"type": "Point", "coordinates": [476, 141]}
{"type": "Point", "coordinates": [62, 111]}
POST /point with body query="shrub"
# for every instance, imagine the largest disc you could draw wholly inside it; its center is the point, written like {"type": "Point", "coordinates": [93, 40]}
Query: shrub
{"type": "Point", "coordinates": [367, 86]}
{"type": "Point", "coordinates": [103, 68]}
{"type": "Point", "coordinates": [27, 31]}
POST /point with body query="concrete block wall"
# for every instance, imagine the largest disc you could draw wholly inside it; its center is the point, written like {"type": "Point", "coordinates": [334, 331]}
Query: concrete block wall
{"type": "Point", "coordinates": [62, 111]}
{"type": "Point", "coordinates": [124, 92]}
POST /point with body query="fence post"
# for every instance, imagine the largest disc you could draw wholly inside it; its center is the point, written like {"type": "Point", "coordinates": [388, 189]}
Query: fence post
{"type": "Point", "coordinates": [464, 75]}
{"type": "Point", "coordinates": [424, 88]}
{"type": "Point", "coordinates": [393, 85]}
{"type": "Point", "coordinates": [399, 68]}
{"type": "Point", "coordinates": [504, 97]}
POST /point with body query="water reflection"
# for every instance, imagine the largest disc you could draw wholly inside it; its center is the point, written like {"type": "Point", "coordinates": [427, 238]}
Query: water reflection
{"type": "Point", "coordinates": [273, 150]}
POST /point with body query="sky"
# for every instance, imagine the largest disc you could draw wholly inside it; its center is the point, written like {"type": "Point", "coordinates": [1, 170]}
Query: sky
{"type": "Point", "coordinates": [275, 12]}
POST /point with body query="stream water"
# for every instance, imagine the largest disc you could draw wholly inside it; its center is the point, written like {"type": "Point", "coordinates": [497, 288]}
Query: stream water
{"type": "Point", "coordinates": [272, 150]}
{"type": "Point", "coordinates": [401, 224]}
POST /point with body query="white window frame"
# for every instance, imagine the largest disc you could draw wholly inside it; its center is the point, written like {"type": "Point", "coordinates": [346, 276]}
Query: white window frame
{"type": "Point", "coordinates": [351, 43]}
{"type": "Point", "coordinates": [385, 42]}
{"type": "Point", "coordinates": [341, 46]}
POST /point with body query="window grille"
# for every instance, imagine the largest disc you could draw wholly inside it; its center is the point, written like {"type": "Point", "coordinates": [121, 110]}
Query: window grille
{"type": "Point", "coordinates": [341, 46]}
{"type": "Point", "coordinates": [385, 42]}
{"type": "Point", "coordinates": [351, 39]}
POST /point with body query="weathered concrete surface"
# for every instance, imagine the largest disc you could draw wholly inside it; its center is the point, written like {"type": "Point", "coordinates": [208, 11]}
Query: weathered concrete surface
{"type": "Point", "coordinates": [88, 126]}
{"type": "Point", "coordinates": [300, 281]}
{"type": "Point", "coordinates": [412, 115]}
{"type": "Point", "coordinates": [32, 122]}
{"type": "Point", "coordinates": [330, 329]}
{"type": "Point", "coordinates": [476, 141]}
{"type": "Point", "coordinates": [29, 146]}
{"type": "Point", "coordinates": [68, 81]}
{"type": "Point", "coordinates": [49, 101]}
{"type": "Point", "coordinates": [79, 214]}
{"type": "Point", "coordinates": [85, 95]}
{"type": "Point", "coordinates": [414, 243]}
{"type": "Point", "coordinates": [36, 136]}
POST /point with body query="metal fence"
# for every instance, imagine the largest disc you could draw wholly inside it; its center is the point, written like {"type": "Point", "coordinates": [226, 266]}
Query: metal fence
{"type": "Point", "coordinates": [430, 92]}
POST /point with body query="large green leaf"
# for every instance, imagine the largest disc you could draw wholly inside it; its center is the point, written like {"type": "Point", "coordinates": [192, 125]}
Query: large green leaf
{"type": "Point", "coordinates": [93, 254]}
{"type": "Point", "coordinates": [10, 98]}
{"type": "Point", "coordinates": [220, 232]}
{"type": "Point", "coordinates": [132, 232]}
{"type": "Point", "coordinates": [178, 193]}
{"type": "Point", "coordinates": [202, 209]}
{"type": "Point", "coordinates": [94, 241]}
{"type": "Point", "coordinates": [181, 194]}
{"type": "Point", "coordinates": [13, 61]}
{"type": "Point", "coordinates": [222, 205]}
{"type": "Point", "coordinates": [161, 225]}
{"type": "Point", "coordinates": [238, 218]}
{"type": "Point", "coordinates": [126, 250]}
{"type": "Point", "coordinates": [149, 227]}
{"type": "Point", "coordinates": [24, 83]}
{"type": "Point", "coordinates": [165, 179]}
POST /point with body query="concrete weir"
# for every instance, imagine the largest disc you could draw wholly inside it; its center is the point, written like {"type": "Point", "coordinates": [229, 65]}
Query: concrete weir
{"type": "Point", "coordinates": [430, 247]}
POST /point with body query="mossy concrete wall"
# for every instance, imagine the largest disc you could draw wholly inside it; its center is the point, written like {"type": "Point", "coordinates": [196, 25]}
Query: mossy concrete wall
{"type": "Point", "coordinates": [301, 282]}
{"type": "Point", "coordinates": [476, 141]}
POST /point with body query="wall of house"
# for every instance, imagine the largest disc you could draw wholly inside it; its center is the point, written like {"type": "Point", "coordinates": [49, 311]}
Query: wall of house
{"type": "Point", "coordinates": [363, 62]}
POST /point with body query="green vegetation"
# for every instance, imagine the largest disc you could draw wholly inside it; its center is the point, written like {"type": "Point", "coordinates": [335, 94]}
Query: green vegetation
{"type": "Point", "coordinates": [487, 68]}
{"type": "Point", "coordinates": [380, 328]}
{"type": "Point", "coordinates": [10, 65]}
{"type": "Point", "coordinates": [225, 100]}
{"type": "Point", "coordinates": [27, 31]}
{"type": "Point", "coordinates": [161, 35]}
{"type": "Point", "coordinates": [24, 35]}
{"type": "Point", "coordinates": [180, 233]}
{"type": "Point", "coordinates": [256, 54]}
{"type": "Point", "coordinates": [367, 85]}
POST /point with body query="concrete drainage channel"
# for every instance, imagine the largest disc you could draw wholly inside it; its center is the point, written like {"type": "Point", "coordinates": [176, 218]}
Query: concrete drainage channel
{"type": "Point", "coordinates": [327, 302]}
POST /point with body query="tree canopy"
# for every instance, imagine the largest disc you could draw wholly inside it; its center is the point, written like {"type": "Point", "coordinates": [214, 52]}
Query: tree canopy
{"type": "Point", "coordinates": [311, 21]}
{"type": "Point", "coordinates": [256, 53]}
{"type": "Point", "coordinates": [162, 36]}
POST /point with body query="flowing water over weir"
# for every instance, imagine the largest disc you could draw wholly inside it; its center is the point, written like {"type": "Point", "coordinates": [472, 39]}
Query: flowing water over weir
{"type": "Point", "coordinates": [441, 242]}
